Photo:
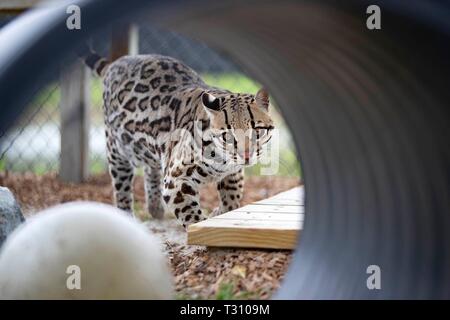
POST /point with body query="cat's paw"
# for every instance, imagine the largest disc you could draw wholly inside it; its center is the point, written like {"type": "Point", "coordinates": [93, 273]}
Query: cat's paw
{"type": "Point", "coordinates": [157, 211]}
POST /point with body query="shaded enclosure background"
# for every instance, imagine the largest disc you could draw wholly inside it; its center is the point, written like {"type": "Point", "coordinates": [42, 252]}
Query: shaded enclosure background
{"type": "Point", "coordinates": [34, 143]}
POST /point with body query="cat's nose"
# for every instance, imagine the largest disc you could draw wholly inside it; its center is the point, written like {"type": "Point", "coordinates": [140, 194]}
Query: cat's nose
{"type": "Point", "coordinates": [246, 156]}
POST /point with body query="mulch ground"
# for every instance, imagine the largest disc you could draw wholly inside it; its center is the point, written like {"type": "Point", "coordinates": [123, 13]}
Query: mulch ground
{"type": "Point", "coordinates": [199, 272]}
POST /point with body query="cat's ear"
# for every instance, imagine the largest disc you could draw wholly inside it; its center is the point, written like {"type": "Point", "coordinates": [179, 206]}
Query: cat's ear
{"type": "Point", "coordinates": [262, 99]}
{"type": "Point", "coordinates": [210, 102]}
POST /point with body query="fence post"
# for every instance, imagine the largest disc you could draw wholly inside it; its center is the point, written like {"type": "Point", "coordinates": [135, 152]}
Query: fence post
{"type": "Point", "coordinates": [75, 101]}
{"type": "Point", "coordinates": [124, 40]}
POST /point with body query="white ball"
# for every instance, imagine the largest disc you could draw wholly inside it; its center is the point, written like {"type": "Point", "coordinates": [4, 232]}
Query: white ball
{"type": "Point", "coordinates": [83, 250]}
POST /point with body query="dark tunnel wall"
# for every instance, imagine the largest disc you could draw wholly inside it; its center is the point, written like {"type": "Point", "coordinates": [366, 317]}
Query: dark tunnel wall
{"type": "Point", "coordinates": [369, 113]}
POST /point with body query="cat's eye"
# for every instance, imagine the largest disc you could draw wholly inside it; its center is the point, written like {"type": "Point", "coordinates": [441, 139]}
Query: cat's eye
{"type": "Point", "coordinates": [260, 133]}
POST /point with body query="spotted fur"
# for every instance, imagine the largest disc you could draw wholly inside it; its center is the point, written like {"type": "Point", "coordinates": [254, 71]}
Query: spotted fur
{"type": "Point", "coordinates": [160, 115]}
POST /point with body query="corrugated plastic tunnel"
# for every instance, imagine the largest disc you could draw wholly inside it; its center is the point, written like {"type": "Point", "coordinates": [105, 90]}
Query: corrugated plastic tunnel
{"type": "Point", "coordinates": [369, 111]}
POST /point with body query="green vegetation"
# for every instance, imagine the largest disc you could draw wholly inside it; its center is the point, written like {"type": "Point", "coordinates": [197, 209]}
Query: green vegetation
{"type": "Point", "coordinates": [235, 82]}
{"type": "Point", "coordinates": [226, 291]}
{"type": "Point", "coordinates": [97, 166]}
{"type": "Point", "coordinates": [38, 166]}
{"type": "Point", "coordinates": [288, 165]}
{"type": "Point", "coordinates": [2, 164]}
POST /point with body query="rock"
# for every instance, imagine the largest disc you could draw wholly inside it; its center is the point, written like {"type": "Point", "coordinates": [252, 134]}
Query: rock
{"type": "Point", "coordinates": [83, 250]}
{"type": "Point", "coordinates": [10, 214]}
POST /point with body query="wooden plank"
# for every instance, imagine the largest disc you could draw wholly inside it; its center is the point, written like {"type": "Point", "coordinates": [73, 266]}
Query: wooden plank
{"type": "Point", "coordinates": [271, 208]}
{"type": "Point", "coordinates": [243, 236]}
{"type": "Point", "coordinates": [75, 100]}
{"type": "Point", "coordinates": [250, 224]}
{"type": "Point", "coordinates": [293, 194]}
{"type": "Point", "coordinates": [261, 216]}
{"type": "Point", "coordinates": [260, 225]}
{"type": "Point", "coordinates": [284, 202]}
{"type": "Point", "coordinates": [293, 197]}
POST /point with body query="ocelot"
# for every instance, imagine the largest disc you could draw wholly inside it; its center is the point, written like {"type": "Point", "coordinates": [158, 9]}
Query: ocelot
{"type": "Point", "coordinates": [160, 115]}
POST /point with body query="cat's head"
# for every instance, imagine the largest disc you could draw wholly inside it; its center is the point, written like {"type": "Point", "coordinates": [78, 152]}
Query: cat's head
{"type": "Point", "coordinates": [240, 124]}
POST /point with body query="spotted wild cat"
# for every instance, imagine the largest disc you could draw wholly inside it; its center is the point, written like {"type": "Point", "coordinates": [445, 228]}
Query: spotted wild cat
{"type": "Point", "coordinates": [160, 115]}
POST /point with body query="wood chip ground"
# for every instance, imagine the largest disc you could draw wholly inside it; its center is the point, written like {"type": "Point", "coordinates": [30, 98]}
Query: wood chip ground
{"type": "Point", "coordinates": [199, 272]}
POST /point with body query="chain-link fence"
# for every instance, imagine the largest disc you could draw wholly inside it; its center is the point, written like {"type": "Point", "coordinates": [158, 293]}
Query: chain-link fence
{"type": "Point", "coordinates": [34, 142]}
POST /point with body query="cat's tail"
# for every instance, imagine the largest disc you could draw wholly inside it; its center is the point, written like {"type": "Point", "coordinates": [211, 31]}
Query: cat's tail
{"type": "Point", "coordinates": [93, 60]}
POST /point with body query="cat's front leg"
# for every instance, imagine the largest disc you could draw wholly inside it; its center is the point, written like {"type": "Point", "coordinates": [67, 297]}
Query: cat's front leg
{"type": "Point", "coordinates": [152, 184]}
{"type": "Point", "coordinates": [181, 197]}
{"type": "Point", "coordinates": [231, 190]}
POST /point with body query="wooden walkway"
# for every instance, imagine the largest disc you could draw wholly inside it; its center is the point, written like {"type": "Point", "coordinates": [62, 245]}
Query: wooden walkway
{"type": "Point", "coordinates": [272, 223]}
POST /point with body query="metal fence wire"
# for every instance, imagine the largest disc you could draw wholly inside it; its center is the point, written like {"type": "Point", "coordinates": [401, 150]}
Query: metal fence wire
{"type": "Point", "coordinates": [34, 142]}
